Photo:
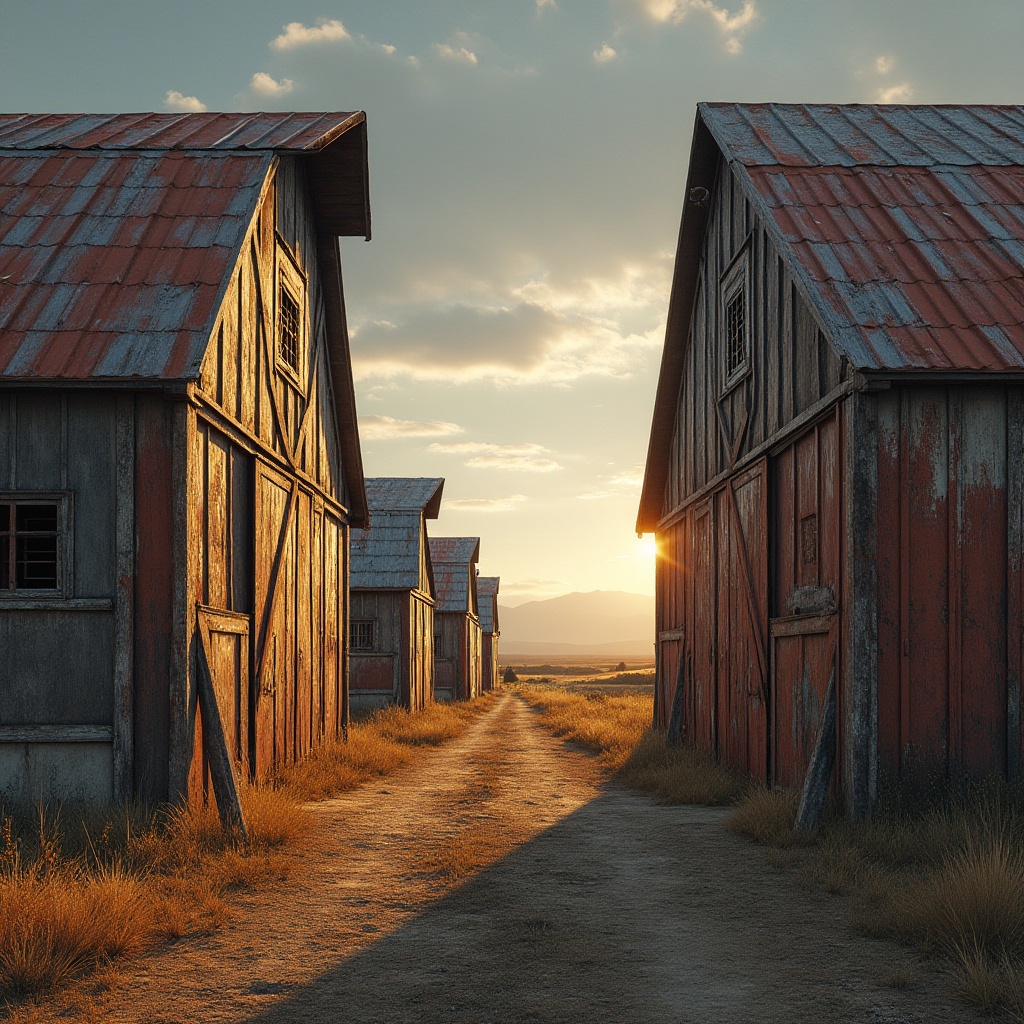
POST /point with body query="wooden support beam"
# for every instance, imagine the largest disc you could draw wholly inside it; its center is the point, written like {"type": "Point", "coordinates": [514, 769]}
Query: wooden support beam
{"type": "Point", "coordinates": [222, 772]}
{"type": "Point", "coordinates": [819, 771]}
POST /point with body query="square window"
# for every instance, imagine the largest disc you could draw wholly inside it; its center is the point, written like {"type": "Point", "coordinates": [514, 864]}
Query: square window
{"type": "Point", "coordinates": [30, 545]}
{"type": "Point", "coordinates": [362, 634]}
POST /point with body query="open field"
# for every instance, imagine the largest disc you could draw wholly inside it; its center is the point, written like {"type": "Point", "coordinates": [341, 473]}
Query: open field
{"type": "Point", "coordinates": [595, 675]}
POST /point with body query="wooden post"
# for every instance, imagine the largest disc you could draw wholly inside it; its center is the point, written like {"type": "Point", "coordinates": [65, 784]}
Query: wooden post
{"type": "Point", "coordinates": [819, 771]}
{"type": "Point", "coordinates": [222, 773]}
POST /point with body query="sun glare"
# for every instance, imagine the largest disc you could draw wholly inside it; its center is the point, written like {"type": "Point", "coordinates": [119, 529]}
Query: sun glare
{"type": "Point", "coordinates": [648, 547]}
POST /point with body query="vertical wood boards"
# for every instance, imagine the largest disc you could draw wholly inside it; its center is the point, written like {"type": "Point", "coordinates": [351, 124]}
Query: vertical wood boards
{"type": "Point", "coordinates": [124, 602]}
{"type": "Point", "coordinates": [792, 363]}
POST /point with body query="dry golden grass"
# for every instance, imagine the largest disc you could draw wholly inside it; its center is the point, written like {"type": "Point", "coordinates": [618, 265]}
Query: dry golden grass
{"type": "Point", "coordinates": [81, 887]}
{"type": "Point", "coordinates": [618, 728]}
{"type": "Point", "coordinates": [379, 744]}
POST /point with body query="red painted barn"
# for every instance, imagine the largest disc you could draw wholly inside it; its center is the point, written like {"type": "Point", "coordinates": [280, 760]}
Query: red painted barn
{"type": "Point", "coordinates": [179, 458]}
{"type": "Point", "coordinates": [835, 469]}
{"type": "Point", "coordinates": [487, 594]}
{"type": "Point", "coordinates": [458, 640]}
{"type": "Point", "coordinates": [392, 632]}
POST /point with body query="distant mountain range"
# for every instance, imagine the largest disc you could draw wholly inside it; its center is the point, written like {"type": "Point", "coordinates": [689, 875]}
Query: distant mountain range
{"type": "Point", "coordinates": [602, 622]}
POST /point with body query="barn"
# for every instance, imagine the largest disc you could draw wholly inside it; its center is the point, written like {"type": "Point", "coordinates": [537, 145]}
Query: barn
{"type": "Point", "coordinates": [835, 467]}
{"type": "Point", "coordinates": [458, 640]}
{"type": "Point", "coordinates": [487, 594]}
{"type": "Point", "coordinates": [179, 457]}
{"type": "Point", "coordinates": [392, 592]}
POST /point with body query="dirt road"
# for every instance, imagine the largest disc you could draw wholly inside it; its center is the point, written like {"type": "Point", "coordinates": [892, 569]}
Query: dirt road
{"type": "Point", "coordinates": [595, 906]}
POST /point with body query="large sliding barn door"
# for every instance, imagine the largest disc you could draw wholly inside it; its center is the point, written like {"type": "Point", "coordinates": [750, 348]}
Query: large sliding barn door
{"type": "Point", "coordinates": [742, 533]}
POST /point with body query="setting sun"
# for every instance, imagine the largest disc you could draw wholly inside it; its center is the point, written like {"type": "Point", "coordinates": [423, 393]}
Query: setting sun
{"type": "Point", "coordinates": [648, 546]}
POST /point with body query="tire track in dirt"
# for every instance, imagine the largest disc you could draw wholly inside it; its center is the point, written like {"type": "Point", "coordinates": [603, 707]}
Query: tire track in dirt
{"type": "Point", "coordinates": [591, 904]}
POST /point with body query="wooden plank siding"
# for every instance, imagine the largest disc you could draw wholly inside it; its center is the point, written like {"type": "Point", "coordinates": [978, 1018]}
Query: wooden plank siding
{"type": "Point", "coordinates": [266, 532]}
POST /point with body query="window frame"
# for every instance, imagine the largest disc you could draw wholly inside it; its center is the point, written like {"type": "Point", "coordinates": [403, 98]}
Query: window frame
{"type": "Point", "coordinates": [65, 546]}
{"type": "Point", "coordinates": [289, 278]}
{"type": "Point", "coordinates": [353, 623]}
{"type": "Point", "coordinates": [734, 284]}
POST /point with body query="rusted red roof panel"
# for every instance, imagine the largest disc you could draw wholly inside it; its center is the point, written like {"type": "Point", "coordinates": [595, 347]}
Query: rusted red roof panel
{"type": "Point", "coordinates": [306, 131]}
{"type": "Point", "coordinates": [454, 560]}
{"type": "Point", "coordinates": [462, 550]}
{"type": "Point", "coordinates": [112, 264]}
{"type": "Point", "coordinates": [916, 268]}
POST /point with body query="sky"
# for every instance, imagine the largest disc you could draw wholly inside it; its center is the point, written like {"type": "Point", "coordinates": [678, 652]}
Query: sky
{"type": "Point", "coordinates": [527, 168]}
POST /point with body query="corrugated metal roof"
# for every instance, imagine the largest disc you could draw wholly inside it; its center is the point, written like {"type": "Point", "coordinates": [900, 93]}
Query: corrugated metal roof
{"type": "Point", "coordinates": [411, 494]}
{"type": "Point", "coordinates": [454, 560]}
{"type": "Point", "coordinates": [112, 266]}
{"type": "Point", "coordinates": [858, 135]}
{"type": "Point", "coordinates": [387, 556]}
{"type": "Point", "coordinates": [487, 599]}
{"type": "Point", "coordinates": [461, 550]}
{"type": "Point", "coordinates": [906, 224]}
{"type": "Point", "coordinates": [295, 131]}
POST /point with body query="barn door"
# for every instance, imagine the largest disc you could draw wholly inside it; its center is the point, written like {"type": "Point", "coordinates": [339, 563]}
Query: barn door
{"type": "Point", "coordinates": [273, 665]}
{"type": "Point", "coordinates": [225, 639]}
{"type": "Point", "coordinates": [743, 620]}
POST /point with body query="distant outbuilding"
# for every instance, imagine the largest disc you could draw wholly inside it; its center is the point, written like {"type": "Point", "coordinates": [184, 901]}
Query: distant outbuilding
{"type": "Point", "coordinates": [458, 641]}
{"type": "Point", "coordinates": [487, 594]}
{"type": "Point", "coordinates": [836, 464]}
{"type": "Point", "coordinates": [392, 632]}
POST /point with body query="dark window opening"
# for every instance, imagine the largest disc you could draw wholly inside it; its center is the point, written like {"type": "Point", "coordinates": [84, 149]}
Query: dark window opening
{"type": "Point", "coordinates": [735, 335]}
{"type": "Point", "coordinates": [29, 545]}
{"type": "Point", "coordinates": [438, 645]}
{"type": "Point", "coordinates": [288, 323]}
{"type": "Point", "coordinates": [362, 634]}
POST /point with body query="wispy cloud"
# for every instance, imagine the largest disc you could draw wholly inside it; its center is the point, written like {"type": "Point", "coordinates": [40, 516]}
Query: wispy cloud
{"type": "Point", "coordinates": [532, 585]}
{"type": "Point", "coordinates": [459, 54]}
{"type": "Point", "coordinates": [265, 85]}
{"type": "Point", "coordinates": [383, 428]}
{"type": "Point", "coordinates": [295, 34]}
{"type": "Point", "coordinates": [731, 25]}
{"type": "Point", "coordinates": [513, 501]}
{"type": "Point", "coordinates": [546, 5]}
{"type": "Point", "coordinates": [528, 458]}
{"type": "Point", "coordinates": [175, 100]}
{"type": "Point", "coordinates": [884, 63]}
{"type": "Point", "coordinates": [899, 93]}
{"type": "Point", "coordinates": [605, 54]}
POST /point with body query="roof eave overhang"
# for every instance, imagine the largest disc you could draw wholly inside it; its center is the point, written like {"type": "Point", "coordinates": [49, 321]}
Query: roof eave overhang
{"type": "Point", "coordinates": [704, 160]}
{"type": "Point", "coordinates": [339, 180]}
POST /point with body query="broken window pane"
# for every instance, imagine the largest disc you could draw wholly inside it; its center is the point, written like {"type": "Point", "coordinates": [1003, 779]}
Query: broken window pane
{"type": "Point", "coordinates": [35, 547]}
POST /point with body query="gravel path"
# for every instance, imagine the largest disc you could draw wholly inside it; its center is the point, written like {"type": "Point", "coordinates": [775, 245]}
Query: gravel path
{"type": "Point", "coordinates": [589, 904]}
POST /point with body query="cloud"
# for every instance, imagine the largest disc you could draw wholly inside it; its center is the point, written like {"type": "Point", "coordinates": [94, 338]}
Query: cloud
{"type": "Point", "coordinates": [732, 26]}
{"type": "Point", "coordinates": [605, 54]}
{"type": "Point", "coordinates": [265, 85]}
{"type": "Point", "coordinates": [546, 5]}
{"type": "Point", "coordinates": [295, 34]}
{"type": "Point", "coordinates": [513, 501]}
{"type": "Point", "coordinates": [532, 585]}
{"type": "Point", "coordinates": [633, 478]}
{"type": "Point", "coordinates": [383, 428]}
{"type": "Point", "coordinates": [175, 100]}
{"type": "Point", "coordinates": [455, 53]}
{"type": "Point", "coordinates": [526, 458]}
{"type": "Point", "coordinates": [884, 63]}
{"type": "Point", "coordinates": [900, 93]}
{"type": "Point", "coordinates": [511, 344]}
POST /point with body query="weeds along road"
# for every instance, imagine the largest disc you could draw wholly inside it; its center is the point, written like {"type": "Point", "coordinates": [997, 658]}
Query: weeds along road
{"type": "Point", "coordinates": [499, 879]}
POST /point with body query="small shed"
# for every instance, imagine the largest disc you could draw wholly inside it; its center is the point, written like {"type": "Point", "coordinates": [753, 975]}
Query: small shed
{"type": "Point", "coordinates": [458, 641]}
{"type": "Point", "coordinates": [179, 456]}
{"type": "Point", "coordinates": [487, 594]}
{"type": "Point", "coordinates": [392, 583]}
{"type": "Point", "coordinates": [835, 470]}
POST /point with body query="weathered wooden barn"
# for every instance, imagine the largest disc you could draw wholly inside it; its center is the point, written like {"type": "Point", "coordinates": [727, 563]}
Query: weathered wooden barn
{"type": "Point", "coordinates": [487, 594]}
{"type": "Point", "coordinates": [392, 632]}
{"type": "Point", "coordinates": [179, 458]}
{"type": "Point", "coordinates": [458, 640]}
{"type": "Point", "coordinates": [835, 467]}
